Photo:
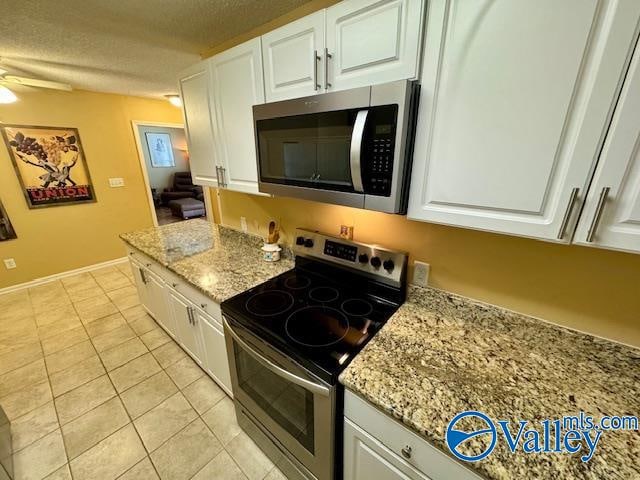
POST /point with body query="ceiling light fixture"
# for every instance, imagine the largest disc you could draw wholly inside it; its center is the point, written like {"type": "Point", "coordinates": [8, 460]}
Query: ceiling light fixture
{"type": "Point", "coordinates": [174, 100]}
{"type": "Point", "coordinates": [6, 95]}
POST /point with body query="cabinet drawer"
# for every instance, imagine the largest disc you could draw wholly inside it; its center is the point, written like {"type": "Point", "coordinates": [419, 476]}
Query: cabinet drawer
{"type": "Point", "coordinates": [199, 299]}
{"type": "Point", "coordinates": [366, 458]}
{"type": "Point", "coordinates": [393, 435]}
{"type": "Point", "coordinates": [195, 296]}
{"type": "Point", "coordinates": [147, 262]}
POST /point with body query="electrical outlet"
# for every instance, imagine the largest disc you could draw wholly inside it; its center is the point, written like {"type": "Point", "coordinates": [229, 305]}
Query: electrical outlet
{"type": "Point", "coordinates": [243, 224]}
{"type": "Point", "coordinates": [116, 182]}
{"type": "Point", "coordinates": [421, 273]}
{"type": "Point", "coordinates": [10, 263]}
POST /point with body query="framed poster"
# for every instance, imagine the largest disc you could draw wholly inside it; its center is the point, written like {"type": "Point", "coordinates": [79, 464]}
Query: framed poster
{"type": "Point", "coordinates": [50, 165]}
{"type": "Point", "coordinates": [160, 150]}
{"type": "Point", "coordinates": [6, 229]}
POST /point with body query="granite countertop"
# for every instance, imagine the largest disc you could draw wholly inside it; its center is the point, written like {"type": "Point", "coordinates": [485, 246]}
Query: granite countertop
{"type": "Point", "coordinates": [219, 261]}
{"type": "Point", "coordinates": [442, 354]}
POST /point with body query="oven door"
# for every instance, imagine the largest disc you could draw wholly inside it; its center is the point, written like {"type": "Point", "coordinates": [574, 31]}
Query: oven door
{"type": "Point", "coordinates": [294, 406]}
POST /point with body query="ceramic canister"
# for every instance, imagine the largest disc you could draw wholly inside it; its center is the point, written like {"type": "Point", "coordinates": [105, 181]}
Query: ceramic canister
{"type": "Point", "coordinates": [271, 252]}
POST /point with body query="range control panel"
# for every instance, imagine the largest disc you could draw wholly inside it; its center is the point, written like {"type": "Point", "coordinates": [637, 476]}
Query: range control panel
{"type": "Point", "coordinates": [378, 261]}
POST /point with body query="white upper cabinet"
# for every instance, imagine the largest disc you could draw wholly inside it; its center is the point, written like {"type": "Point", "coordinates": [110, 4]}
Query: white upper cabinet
{"type": "Point", "coordinates": [292, 58]}
{"type": "Point", "coordinates": [515, 101]}
{"type": "Point", "coordinates": [194, 87]}
{"type": "Point", "coordinates": [237, 85]}
{"type": "Point", "coordinates": [373, 41]}
{"type": "Point", "coordinates": [611, 215]}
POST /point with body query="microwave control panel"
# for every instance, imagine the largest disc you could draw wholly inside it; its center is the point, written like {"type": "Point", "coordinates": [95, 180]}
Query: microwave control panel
{"type": "Point", "coordinates": [380, 150]}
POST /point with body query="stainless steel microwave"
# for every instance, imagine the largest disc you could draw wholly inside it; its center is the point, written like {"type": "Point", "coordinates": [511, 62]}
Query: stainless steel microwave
{"type": "Point", "coordinates": [352, 147]}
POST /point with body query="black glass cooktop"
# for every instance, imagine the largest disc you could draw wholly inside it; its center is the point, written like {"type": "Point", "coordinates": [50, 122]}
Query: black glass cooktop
{"type": "Point", "coordinates": [321, 323]}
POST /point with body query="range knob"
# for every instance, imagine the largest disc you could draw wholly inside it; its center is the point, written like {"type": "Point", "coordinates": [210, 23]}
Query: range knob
{"type": "Point", "coordinates": [363, 258]}
{"type": "Point", "coordinates": [300, 241]}
{"type": "Point", "coordinates": [308, 243]}
{"type": "Point", "coordinates": [376, 262]}
{"type": "Point", "coordinates": [389, 265]}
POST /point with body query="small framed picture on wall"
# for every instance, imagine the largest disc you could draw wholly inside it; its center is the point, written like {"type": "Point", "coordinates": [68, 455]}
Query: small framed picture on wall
{"type": "Point", "coordinates": [160, 150]}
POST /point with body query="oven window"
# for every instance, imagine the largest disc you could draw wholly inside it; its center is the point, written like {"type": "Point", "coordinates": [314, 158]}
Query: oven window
{"type": "Point", "coordinates": [310, 150]}
{"type": "Point", "coordinates": [290, 405]}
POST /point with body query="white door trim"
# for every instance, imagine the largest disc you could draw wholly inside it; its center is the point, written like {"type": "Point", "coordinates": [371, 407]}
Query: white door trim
{"type": "Point", "coordinates": [135, 124]}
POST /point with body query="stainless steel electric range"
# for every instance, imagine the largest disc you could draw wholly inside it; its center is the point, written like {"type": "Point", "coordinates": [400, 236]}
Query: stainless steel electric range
{"type": "Point", "coordinates": [289, 338]}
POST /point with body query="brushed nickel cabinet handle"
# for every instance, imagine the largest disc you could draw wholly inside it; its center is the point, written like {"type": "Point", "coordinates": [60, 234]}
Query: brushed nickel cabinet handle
{"type": "Point", "coordinates": [223, 173]}
{"type": "Point", "coordinates": [604, 193]}
{"type": "Point", "coordinates": [327, 56]}
{"type": "Point", "coordinates": [407, 451]}
{"type": "Point", "coordinates": [316, 59]}
{"type": "Point", "coordinates": [218, 175]}
{"type": "Point", "coordinates": [567, 213]}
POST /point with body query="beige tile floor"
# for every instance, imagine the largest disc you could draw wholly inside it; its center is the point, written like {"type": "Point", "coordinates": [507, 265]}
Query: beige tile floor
{"type": "Point", "coordinates": [94, 389]}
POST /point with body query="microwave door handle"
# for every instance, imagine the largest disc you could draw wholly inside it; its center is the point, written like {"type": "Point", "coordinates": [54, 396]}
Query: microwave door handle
{"type": "Point", "coordinates": [281, 372]}
{"type": "Point", "coordinates": [356, 150]}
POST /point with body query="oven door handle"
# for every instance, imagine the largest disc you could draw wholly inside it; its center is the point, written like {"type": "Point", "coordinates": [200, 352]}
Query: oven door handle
{"type": "Point", "coordinates": [355, 158]}
{"type": "Point", "coordinates": [281, 372]}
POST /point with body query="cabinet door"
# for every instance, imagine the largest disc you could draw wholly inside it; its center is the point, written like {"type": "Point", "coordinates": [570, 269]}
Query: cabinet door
{"type": "Point", "coordinates": [194, 89]}
{"type": "Point", "coordinates": [215, 351]}
{"type": "Point", "coordinates": [292, 57]}
{"type": "Point", "coordinates": [515, 100]}
{"type": "Point", "coordinates": [611, 216]}
{"type": "Point", "coordinates": [365, 458]}
{"type": "Point", "coordinates": [141, 278]}
{"type": "Point", "coordinates": [181, 311]}
{"type": "Point", "coordinates": [373, 41]}
{"type": "Point", "coordinates": [237, 86]}
{"type": "Point", "coordinates": [157, 292]}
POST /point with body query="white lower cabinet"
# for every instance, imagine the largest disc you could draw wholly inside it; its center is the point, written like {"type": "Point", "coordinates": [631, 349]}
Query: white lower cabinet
{"type": "Point", "coordinates": [158, 308]}
{"type": "Point", "coordinates": [368, 458]}
{"type": "Point", "coordinates": [140, 276]}
{"type": "Point", "coordinates": [190, 317]}
{"type": "Point", "coordinates": [182, 311]}
{"type": "Point", "coordinates": [377, 446]}
{"type": "Point", "coordinates": [216, 363]}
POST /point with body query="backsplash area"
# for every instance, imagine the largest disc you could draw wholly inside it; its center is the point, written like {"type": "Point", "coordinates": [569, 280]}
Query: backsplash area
{"type": "Point", "coordinates": [591, 290]}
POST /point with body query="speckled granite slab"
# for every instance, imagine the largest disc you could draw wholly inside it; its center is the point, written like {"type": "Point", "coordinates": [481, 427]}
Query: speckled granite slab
{"type": "Point", "coordinates": [441, 354]}
{"type": "Point", "coordinates": [219, 261]}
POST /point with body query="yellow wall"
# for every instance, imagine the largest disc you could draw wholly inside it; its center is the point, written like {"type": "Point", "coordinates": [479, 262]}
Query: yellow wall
{"type": "Point", "coordinates": [592, 290]}
{"type": "Point", "coordinates": [57, 239]}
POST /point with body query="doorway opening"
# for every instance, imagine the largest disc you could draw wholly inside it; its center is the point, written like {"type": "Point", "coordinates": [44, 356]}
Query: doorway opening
{"type": "Point", "coordinates": [164, 157]}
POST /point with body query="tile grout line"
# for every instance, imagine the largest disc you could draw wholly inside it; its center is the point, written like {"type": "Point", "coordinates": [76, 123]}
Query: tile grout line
{"type": "Point", "coordinates": [53, 399]}
{"type": "Point", "coordinates": [116, 396]}
{"type": "Point", "coordinates": [163, 369]}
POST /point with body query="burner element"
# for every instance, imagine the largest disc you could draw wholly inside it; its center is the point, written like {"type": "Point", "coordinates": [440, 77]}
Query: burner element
{"type": "Point", "coordinates": [317, 326]}
{"type": "Point", "coordinates": [297, 282]}
{"type": "Point", "coordinates": [324, 294]}
{"type": "Point", "coordinates": [356, 307]}
{"type": "Point", "coordinates": [269, 303]}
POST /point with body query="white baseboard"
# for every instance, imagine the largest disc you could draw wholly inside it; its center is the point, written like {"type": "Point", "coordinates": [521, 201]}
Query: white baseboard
{"type": "Point", "coordinates": [58, 276]}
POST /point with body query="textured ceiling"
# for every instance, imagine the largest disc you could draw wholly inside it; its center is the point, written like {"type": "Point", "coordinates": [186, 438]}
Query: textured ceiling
{"type": "Point", "coordinates": [133, 47]}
